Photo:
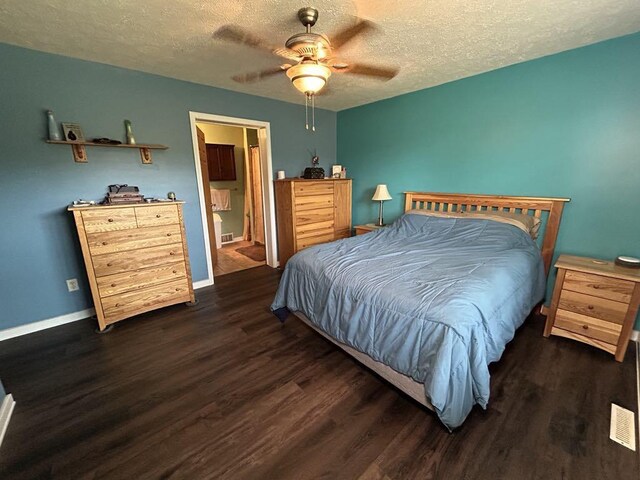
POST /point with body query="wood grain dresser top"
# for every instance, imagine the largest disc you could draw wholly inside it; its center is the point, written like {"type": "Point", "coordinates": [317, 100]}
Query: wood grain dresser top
{"type": "Point", "coordinates": [71, 208]}
{"type": "Point", "coordinates": [597, 267]}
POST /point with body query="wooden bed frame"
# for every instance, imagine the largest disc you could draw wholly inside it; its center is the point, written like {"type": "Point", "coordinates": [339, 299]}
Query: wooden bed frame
{"type": "Point", "coordinates": [549, 210]}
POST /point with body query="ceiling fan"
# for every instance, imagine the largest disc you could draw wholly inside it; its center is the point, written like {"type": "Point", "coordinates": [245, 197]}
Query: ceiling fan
{"type": "Point", "coordinates": [314, 57]}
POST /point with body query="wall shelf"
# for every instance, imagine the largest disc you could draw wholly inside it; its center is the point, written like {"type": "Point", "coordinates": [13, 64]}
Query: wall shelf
{"type": "Point", "coordinates": [80, 152]}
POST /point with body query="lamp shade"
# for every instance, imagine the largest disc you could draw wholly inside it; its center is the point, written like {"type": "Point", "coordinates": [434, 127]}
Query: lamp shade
{"type": "Point", "coordinates": [309, 78]}
{"type": "Point", "coordinates": [381, 194]}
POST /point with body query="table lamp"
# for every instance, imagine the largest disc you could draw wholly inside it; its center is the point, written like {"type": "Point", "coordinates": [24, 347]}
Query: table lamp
{"type": "Point", "coordinates": [381, 195]}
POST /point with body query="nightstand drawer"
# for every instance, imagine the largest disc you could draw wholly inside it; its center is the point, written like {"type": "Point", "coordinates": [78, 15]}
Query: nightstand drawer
{"type": "Point", "coordinates": [599, 286]}
{"type": "Point", "coordinates": [589, 327]}
{"type": "Point", "coordinates": [593, 306]}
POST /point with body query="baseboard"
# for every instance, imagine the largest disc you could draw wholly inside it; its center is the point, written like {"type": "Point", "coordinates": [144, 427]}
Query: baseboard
{"type": "Point", "coordinates": [207, 282]}
{"type": "Point", "coordinates": [68, 318]}
{"type": "Point", "coordinates": [45, 324]}
{"type": "Point", "coordinates": [235, 240]}
{"type": "Point", "coordinates": [6, 409]}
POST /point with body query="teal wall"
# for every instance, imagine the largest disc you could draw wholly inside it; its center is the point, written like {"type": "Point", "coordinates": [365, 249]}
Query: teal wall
{"type": "Point", "coordinates": [566, 125]}
{"type": "Point", "coordinates": [39, 246]}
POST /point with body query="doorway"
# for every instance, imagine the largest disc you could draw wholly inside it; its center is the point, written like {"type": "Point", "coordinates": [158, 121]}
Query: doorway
{"type": "Point", "coordinates": [233, 166]}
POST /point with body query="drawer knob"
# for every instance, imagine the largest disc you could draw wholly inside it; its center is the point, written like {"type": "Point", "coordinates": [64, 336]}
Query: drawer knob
{"type": "Point", "coordinates": [586, 327]}
{"type": "Point", "coordinates": [177, 289]}
{"type": "Point", "coordinates": [590, 307]}
{"type": "Point", "coordinates": [172, 253]}
{"type": "Point", "coordinates": [596, 287]}
{"type": "Point", "coordinates": [104, 243]}
{"type": "Point", "coordinates": [117, 304]}
{"type": "Point", "coordinates": [158, 215]}
{"type": "Point", "coordinates": [110, 220]}
{"type": "Point", "coordinates": [168, 234]}
{"type": "Point", "coordinates": [175, 271]}
{"type": "Point", "coordinates": [113, 285]}
{"type": "Point", "coordinates": [109, 265]}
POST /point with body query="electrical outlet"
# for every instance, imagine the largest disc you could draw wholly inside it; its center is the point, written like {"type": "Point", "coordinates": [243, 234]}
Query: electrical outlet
{"type": "Point", "coordinates": [72, 284]}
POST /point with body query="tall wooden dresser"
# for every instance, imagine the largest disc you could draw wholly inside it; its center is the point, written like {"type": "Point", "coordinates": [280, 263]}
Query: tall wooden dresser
{"type": "Point", "coordinates": [311, 212]}
{"type": "Point", "coordinates": [136, 258]}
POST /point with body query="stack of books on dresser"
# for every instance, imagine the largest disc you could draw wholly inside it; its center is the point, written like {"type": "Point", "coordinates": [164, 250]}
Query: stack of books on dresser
{"type": "Point", "coordinates": [123, 194]}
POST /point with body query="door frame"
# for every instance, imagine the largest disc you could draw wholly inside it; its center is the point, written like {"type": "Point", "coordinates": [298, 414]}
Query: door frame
{"type": "Point", "coordinates": [264, 140]}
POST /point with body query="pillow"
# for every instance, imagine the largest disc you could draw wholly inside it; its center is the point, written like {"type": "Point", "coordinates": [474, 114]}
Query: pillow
{"type": "Point", "coordinates": [531, 223]}
{"type": "Point", "coordinates": [526, 223]}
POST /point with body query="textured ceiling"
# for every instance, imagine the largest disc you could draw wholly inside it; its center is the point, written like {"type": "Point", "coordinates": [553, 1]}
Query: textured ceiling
{"type": "Point", "coordinates": [431, 41]}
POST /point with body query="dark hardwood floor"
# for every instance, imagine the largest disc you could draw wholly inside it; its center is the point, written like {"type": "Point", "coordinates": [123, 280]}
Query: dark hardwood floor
{"type": "Point", "coordinates": [222, 390]}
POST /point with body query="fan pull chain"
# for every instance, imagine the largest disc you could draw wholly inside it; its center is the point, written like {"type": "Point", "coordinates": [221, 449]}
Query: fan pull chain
{"type": "Point", "coordinates": [313, 113]}
{"type": "Point", "coordinates": [306, 111]}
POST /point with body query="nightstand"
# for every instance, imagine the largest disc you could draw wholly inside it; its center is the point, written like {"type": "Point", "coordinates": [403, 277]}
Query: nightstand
{"type": "Point", "coordinates": [594, 302]}
{"type": "Point", "coordinates": [369, 227]}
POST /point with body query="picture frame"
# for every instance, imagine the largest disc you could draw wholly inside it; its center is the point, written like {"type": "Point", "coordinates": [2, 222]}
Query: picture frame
{"type": "Point", "coordinates": [72, 132]}
{"type": "Point", "coordinates": [336, 170]}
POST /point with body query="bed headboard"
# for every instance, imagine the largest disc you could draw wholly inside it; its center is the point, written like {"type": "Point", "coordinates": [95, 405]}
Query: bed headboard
{"type": "Point", "coordinates": [549, 210]}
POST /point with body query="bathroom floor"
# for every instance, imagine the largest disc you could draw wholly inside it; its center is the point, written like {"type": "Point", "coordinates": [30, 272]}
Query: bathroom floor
{"type": "Point", "coordinates": [229, 260]}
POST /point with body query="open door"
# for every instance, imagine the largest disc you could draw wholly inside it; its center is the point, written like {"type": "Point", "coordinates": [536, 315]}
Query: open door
{"type": "Point", "coordinates": [204, 169]}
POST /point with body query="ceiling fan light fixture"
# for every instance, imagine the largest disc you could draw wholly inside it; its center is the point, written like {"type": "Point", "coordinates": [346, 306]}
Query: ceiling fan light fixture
{"type": "Point", "coordinates": [309, 78]}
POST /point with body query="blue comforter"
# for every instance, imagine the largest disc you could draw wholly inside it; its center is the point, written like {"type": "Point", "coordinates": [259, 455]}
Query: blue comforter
{"type": "Point", "coordinates": [436, 299]}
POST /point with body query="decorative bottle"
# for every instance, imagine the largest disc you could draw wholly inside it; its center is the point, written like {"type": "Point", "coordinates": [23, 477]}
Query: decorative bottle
{"type": "Point", "coordinates": [54, 132]}
{"type": "Point", "coordinates": [130, 139]}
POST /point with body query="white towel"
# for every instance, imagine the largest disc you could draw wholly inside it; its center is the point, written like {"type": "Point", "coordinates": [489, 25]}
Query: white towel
{"type": "Point", "coordinates": [220, 200]}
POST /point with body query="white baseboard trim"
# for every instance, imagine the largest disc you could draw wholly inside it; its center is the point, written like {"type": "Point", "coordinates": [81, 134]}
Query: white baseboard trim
{"type": "Point", "coordinates": [635, 336]}
{"type": "Point", "coordinates": [6, 409]}
{"type": "Point", "coordinates": [207, 282]}
{"type": "Point", "coordinates": [45, 324]}
{"type": "Point", "coordinates": [235, 239]}
{"type": "Point", "coordinates": [68, 318]}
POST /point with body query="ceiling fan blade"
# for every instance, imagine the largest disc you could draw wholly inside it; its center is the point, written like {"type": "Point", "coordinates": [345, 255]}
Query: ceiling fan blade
{"type": "Point", "coordinates": [382, 73]}
{"type": "Point", "coordinates": [345, 35]}
{"type": "Point", "coordinates": [235, 34]}
{"type": "Point", "coordinates": [260, 75]}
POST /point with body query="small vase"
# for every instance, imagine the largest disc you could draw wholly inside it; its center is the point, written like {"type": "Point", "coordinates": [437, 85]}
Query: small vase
{"type": "Point", "coordinates": [130, 139]}
{"type": "Point", "coordinates": [54, 132]}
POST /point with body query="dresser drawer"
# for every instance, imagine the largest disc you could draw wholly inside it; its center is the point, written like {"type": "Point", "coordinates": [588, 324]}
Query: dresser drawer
{"type": "Point", "coordinates": [109, 219]}
{"type": "Point", "coordinates": [119, 262]}
{"type": "Point", "coordinates": [599, 286]}
{"type": "Point", "coordinates": [313, 229]}
{"type": "Point", "coordinates": [593, 306]}
{"type": "Point", "coordinates": [139, 279]}
{"type": "Point", "coordinates": [119, 241]}
{"type": "Point", "coordinates": [313, 202]}
{"type": "Point", "coordinates": [157, 215]}
{"type": "Point", "coordinates": [314, 216]}
{"type": "Point", "coordinates": [589, 327]}
{"type": "Point", "coordinates": [301, 189]}
{"type": "Point", "coordinates": [150, 298]}
{"type": "Point", "coordinates": [319, 237]}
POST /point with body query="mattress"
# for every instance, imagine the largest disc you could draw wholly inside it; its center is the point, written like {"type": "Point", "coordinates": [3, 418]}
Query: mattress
{"type": "Point", "coordinates": [436, 299]}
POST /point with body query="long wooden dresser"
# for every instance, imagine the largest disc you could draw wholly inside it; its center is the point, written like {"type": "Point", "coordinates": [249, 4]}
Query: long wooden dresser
{"type": "Point", "coordinates": [136, 258]}
{"type": "Point", "coordinates": [311, 212]}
